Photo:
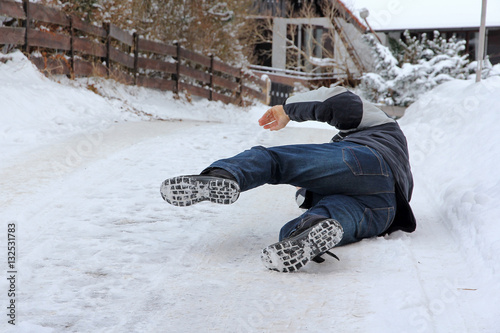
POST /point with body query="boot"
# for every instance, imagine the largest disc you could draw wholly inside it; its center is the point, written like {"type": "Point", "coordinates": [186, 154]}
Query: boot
{"type": "Point", "coordinates": [302, 246]}
{"type": "Point", "coordinates": [214, 185]}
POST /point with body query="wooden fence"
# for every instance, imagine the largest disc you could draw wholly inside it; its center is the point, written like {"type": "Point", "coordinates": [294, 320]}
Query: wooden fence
{"type": "Point", "coordinates": [63, 44]}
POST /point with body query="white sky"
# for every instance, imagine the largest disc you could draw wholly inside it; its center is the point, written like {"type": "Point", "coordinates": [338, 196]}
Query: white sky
{"type": "Point", "coordinates": [402, 14]}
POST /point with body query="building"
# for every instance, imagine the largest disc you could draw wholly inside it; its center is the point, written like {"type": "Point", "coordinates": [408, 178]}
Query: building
{"type": "Point", "coordinates": [310, 40]}
{"type": "Point", "coordinates": [390, 18]}
{"type": "Point", "coordinates": [469, 34]}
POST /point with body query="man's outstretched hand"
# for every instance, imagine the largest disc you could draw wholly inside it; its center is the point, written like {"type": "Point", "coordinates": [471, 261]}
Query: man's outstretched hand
{"type": "Point", "coordinates": [274, 119]}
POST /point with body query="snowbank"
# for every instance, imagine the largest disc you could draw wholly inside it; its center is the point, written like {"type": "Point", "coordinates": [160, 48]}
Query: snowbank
{"type": "Point", "coordinates": [454, 148]}
{"type": "Point", "coordinates": [36, 109]}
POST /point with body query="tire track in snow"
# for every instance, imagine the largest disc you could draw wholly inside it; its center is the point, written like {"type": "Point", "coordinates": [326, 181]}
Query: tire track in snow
{"type": "Point", "coordinates": [452, 285]}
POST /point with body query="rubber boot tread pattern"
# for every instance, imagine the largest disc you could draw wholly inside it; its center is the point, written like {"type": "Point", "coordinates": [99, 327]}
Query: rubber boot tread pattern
{"type": "Point", "coordinates": [293, 253]}
{"type": "Point", "coordinates": [189, 190]}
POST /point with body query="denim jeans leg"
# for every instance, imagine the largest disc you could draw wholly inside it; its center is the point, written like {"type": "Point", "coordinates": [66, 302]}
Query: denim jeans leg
{"type": "Point", "coordinates": [353, 184]}
{"type": "Point", "coordinates": [346, 210]}
{"type": "Point", "coordinates": [360, 217]}
{"type": "Point", "coordinates": [330, 168]}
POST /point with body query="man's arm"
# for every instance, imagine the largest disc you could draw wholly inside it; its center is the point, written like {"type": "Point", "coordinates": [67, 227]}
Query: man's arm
{"type": "Point", "coordinates": [336, 106]}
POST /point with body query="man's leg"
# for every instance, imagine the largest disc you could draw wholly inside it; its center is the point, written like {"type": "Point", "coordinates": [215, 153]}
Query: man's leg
{"type": "Point", "coordinates": [335, 220]}
{"type": "Point", "coordinates": [360, 216]}
{"type": "Point", "coordinates": [330, 168]}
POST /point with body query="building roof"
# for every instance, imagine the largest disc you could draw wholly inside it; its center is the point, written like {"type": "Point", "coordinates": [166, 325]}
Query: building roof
{"type": "Point", "coordinates": [350, 17]}
{"type": "Point", "coordinates": [394, 15]}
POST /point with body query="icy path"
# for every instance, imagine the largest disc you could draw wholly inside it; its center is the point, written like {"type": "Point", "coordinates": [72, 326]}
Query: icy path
{"type": "Point", "coordinates": [99, 251]}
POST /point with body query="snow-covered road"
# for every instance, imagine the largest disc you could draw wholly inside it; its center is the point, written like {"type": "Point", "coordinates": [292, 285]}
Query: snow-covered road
{"type": "Point", "coordinates": [101, 252]}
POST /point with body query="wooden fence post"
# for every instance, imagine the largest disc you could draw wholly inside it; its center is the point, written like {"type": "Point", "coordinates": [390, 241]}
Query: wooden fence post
{"type": "Point", "coordinates": [27, 24]}
{"type": "Point", "coordinates": [136, 56]}
{"type": "Point", "coordinates": [178, 69]}
{"type": "Point", "coordinates": [268, 90]}
{"type": "Point", "coordinates": [211, 96]}
{"type": "Point", "coordinates": [107, 27]}
{"type": "Point", "coordinates": [240, 87]}
{"type": "Point", "coordinates": [72, 49]}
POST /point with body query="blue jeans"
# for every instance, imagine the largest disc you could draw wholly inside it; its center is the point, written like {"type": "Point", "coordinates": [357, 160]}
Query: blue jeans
{"type": "Point", "coordinates": [349, 182]}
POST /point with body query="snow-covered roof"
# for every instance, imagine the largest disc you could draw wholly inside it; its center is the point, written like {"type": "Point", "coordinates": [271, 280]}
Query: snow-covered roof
{"type": "Point", "coordinates": [350, 16]}
{"type": "Point", "coordinates": [426, 14]}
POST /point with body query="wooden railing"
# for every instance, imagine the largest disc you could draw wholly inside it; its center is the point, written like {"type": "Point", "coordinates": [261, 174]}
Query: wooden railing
{"type": "Point", "coordinates": [61, 44]}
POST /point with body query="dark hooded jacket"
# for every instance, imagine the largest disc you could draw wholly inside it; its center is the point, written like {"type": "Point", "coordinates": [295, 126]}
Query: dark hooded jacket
{"type": "Point", "coordinates": [363, 123]}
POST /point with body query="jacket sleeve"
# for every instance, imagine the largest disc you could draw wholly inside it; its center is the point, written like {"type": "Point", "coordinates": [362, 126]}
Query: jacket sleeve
{"type": "Point", "coordinates": [336, 106]}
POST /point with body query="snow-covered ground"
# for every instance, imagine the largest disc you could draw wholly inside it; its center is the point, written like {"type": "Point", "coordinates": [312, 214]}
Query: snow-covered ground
{"type": "Point", "coordinates": [98, 250]}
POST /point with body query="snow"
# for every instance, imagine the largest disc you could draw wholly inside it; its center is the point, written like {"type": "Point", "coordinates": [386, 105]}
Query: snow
{"type": "Point", "coordinates": [98, 250]}
{"type": "Point", "coordinates": [461, 126]}
{"type": "Point", "coordinates": [425, 14]}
